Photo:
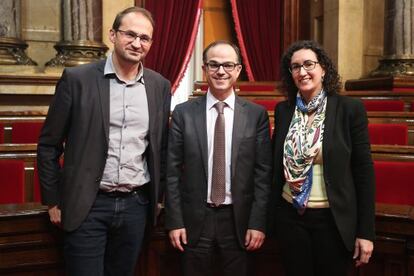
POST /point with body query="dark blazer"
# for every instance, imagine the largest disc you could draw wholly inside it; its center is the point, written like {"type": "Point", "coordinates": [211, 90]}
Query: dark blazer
{"type": "Point", "coordinates": [186, 191]}
{"type": "Point", "coordinates": [347, 164]}
{"type": "Point", "coordinates": [77, 125]}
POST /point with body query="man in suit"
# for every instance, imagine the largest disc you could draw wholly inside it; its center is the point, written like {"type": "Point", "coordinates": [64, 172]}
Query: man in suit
{"type": "Point", "coordinates": [110, 121]}
{"type": "Point", "coordinates": [202, 219]}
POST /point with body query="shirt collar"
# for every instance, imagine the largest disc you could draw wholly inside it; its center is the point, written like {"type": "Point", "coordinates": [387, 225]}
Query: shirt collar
{"type": "Point", "coordinates": [109, 70]}
{"type": "Point", "coordinates": [211, 100]}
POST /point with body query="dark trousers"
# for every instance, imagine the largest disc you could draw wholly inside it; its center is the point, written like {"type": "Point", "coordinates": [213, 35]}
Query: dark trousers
{"type": "Point", "coordinates": [310, 244]}
{"type": "Point", "coordinates": [109, 239]}
{"type": "Point", "coordinates": [218, 249]}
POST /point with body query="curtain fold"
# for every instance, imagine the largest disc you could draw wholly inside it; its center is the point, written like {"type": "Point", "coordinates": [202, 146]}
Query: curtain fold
{"type": "Point", "coordinates": [258, 29]}
{"type": "Point", "coordinates": [176, 23]}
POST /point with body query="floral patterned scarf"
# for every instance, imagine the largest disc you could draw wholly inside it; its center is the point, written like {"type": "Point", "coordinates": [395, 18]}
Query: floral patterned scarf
{"type": "Point", "coordinates": [302, 145]}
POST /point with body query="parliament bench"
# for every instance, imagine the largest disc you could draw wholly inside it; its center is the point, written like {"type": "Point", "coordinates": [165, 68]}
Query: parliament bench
{"type": "Point", "coordinates": [403, 118]}
{"type": "Point", "coordinates": [26, 125]}
{"type": "Point", "coordinates": [388, 134]}
{"type": "Point", "coordinates": [384, 105]}
{"type": "Point", "coordinates": [407, 97]}
{"type": "Point", "coordinates": [374, 100]}
{"type": "Point", "coordinates": [29, 243]}
{"type": "Point", "coordinates": [25, 153]}
{"type": "Point", "coordinates": [12, 181]}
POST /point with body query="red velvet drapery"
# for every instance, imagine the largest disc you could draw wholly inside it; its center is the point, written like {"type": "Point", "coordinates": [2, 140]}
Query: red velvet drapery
{"type": "Point", "coordinates": [176, 23]}
{"type": "Point", "coordinates": [258, 29]}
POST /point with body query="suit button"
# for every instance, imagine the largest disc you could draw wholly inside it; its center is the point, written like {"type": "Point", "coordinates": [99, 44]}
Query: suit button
{"type": "Point", "coordinates": [98, 179]}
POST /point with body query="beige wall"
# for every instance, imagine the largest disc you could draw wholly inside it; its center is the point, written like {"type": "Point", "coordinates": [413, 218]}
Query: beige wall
{"type": "Point", "coordinates": [110, 9]}
{"type": "Point", "coordinates": [41, 26]}
{"type": "Point", "coordinates": [353, 35]}
{"type": "Point", "coordinates": [41, 29]}
{"type": "Point", "coordinates": [343, 39]}
{"type": "Point", "coordinates": [350, 38]}
{"type": "Point", "coordinates": [373, 35]}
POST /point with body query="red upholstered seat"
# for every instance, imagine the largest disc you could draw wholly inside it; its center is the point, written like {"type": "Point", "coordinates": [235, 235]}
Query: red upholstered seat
{"type": "Point", "coordinates": [1, 133]}
{"type": "Point", "coordinates": [25, 132]}
{"type": "Point", "coordinates": [268, 104]}
{"type": "Point", "coordinates": [11, 181]}
{"type": "Point", "coordinates": [388, 134]}
{"type": "Point", "coordinates": [384, 105]}
{"type": "Point", "coordinates": [394, 182]}
{"type": "Point", "coordinates": [412, 106]}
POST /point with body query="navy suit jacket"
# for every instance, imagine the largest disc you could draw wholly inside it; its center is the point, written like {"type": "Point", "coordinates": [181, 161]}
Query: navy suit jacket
{"type": "Point", "coordinates": [187, 169]}
{"type": "Point", "coordinates": [77, 125]}
{"type": "Point", "coordinates": [347, 165]}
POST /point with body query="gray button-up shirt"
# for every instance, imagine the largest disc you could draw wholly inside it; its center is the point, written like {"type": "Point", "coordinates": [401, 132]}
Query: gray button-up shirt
{"type": "Point", "coordinates": [126, 166]}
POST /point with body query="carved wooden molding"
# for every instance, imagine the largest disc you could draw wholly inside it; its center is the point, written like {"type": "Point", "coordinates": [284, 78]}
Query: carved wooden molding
{"type": "Point", "coordinates": [28, 80]}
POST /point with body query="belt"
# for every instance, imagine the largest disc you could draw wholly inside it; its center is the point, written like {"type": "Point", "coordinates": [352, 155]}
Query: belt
{"type": "Point", "coordinates": [221, 206]}
{"type": "Point", "coordinates": [139, 189]}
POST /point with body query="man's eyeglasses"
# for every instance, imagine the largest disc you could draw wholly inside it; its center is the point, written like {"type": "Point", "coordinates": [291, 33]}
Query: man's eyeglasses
{"type": "Point", "coordinates": [308, 65]}
{"type": "Point", "coordinates": [227, 66]}
{"type": "Point", "coordinates": [130, 36]}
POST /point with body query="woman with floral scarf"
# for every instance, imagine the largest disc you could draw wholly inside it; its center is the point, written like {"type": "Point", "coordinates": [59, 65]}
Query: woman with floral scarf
{"type": "Point", "coordinates": [323, 170]}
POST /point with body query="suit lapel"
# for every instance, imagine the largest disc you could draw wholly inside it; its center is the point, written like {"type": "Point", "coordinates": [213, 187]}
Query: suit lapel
{"type": "Point", "coordinates": [103, 90]}
{"type": "Point", "coordinates": [285, 121]}
{"type": "Point", "coordinates": [330, 119]}
{"type": "Point", "coordinates": [152, 102]}
{"type": "Point", "coordinates": [239, 124]}
{"type": "Point", "coordinates": [200, 125]}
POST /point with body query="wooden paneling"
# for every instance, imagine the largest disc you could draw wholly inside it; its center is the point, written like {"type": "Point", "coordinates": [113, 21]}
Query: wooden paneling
{"type": "Point", "coordinates": [30, 244]}
{"type": "Point", "coordinates": [27, 153]}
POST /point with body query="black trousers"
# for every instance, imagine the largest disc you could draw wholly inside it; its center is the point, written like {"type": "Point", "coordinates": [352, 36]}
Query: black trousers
{"type": "Point", "coordinates": [310, 243]}
{"type": "Point", "coordinates": [218, 251]}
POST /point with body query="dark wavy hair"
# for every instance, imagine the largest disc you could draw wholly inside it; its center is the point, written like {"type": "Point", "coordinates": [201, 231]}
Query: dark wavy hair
{"type": "Point", "coordinates": [331, 82]}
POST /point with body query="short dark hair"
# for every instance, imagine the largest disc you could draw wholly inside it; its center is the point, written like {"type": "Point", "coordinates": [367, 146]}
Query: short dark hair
{"type": "Point", "coordinates": [222, 42]}
{"type": "Point", "coordinates": [120, 16]}
{"type": "Point", "coordinates": [331, 81]}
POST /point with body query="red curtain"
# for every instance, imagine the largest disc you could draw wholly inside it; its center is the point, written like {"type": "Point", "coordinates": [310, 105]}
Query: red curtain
{"type": "Point", "coordinates": [258, 29]}
{"type": "Point", "coordinates": [176, 23]}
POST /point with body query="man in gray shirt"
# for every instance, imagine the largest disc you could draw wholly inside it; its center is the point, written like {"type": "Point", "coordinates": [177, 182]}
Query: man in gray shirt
{"type": "Point", "coordinates": [109, 119]}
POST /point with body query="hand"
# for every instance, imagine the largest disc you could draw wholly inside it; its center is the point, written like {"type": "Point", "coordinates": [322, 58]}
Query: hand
{"type": "Point", "coordinates": [254, 239]}
{"type": "Point", "coordinates": [363, 251]}
{"type": "Point", "coordinates": [54, 215]}
{"type": "Point", "coordinates": [178, 236]}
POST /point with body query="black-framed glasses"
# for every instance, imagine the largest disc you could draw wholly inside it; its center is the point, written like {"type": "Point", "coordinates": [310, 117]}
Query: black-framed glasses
{"type": "Point", "coordinates": [308, 65]}
{"type": "Point", "coordinates": [130, 36]}
{"type": "Point", "coordinates": [215, 66]}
